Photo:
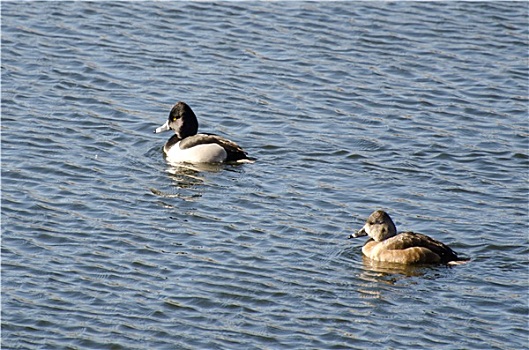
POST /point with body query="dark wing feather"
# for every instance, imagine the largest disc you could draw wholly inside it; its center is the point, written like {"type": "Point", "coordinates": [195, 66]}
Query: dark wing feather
{"type": "Point", "coordinates": [411, 239]}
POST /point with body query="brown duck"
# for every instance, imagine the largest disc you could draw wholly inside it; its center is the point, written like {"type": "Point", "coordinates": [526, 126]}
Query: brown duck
{"type": "Point", "coordinates": [404, 248]}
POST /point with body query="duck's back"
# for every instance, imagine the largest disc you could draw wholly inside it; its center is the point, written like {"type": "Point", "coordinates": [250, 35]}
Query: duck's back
{"type": "Point", "coordinates": [410, 248]}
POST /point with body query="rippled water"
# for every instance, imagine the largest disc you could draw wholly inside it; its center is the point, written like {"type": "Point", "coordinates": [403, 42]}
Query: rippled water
{"type": "Point", "coordinates": [417, 108]}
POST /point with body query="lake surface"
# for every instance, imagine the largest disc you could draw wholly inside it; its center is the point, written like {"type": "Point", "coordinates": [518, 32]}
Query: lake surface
{"type": "Point", "coordinates": [420, 109]}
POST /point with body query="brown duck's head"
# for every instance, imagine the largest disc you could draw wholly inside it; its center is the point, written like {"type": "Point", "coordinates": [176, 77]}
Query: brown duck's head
{"type": "Point", "coordinates": [378, 226]}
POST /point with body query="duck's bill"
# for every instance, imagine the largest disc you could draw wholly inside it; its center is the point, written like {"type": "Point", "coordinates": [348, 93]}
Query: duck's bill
{"type": "Point", "coordinates": [162, 128]}
{"type": "Point", "coordinates": [359, 233]}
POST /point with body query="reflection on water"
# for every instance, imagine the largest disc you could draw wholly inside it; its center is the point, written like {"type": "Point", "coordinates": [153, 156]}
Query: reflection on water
{"type": "Point", "coordinates": [388, 268]}
{"type": "Point", "coordinates": [188, 169]}
{"type": "Point", "coordinates": [393, 273]}
{"type": "Point", "coordinates": [187, 176]}
{"type": "Point", "coordinates": [184, 177]}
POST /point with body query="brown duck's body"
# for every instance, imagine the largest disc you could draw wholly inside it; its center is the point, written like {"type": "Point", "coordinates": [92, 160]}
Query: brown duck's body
{"type": "Point", "coordinates": [409, 248]}
{"type": "Point", "coordinates": [386, 245]}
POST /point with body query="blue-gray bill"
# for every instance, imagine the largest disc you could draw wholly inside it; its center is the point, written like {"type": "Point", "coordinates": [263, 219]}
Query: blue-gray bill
{"type": "Point", "coordinates": [359, 233]}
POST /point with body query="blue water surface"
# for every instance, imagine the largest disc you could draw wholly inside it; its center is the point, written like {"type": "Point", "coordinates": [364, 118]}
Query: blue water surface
{"type": "Point", "coordinates": [417, 108]}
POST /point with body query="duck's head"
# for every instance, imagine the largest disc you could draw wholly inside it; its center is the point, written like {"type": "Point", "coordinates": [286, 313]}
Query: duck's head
{"type": "Point", "coordinates": [181, 120]}
{"type": "Point", "coordinates": [378, 226]}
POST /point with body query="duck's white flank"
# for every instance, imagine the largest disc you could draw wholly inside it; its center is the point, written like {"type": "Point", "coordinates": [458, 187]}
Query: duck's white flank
{"type": "Point", "coordinates": [206, 153]}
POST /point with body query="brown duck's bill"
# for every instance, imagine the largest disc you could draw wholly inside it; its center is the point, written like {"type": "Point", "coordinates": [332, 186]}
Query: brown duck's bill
{"type": "Point", "coordinates": [359, 233]}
